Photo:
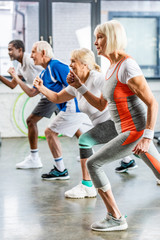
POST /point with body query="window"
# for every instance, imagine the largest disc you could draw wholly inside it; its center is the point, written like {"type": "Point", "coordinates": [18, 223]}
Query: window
{"type": "Point", "coordinates": [71, 28]}
{"type": "Point", "coordinates": [20, 21]}
{"type": "Point", "coordinates": [142, 23]}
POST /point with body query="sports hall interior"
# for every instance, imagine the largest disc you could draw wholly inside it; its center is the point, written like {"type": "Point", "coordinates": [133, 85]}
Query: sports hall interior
{"type": "Point", "coordinates": [34, 209]}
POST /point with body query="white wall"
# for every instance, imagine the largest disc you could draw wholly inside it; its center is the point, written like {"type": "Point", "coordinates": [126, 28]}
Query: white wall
{"type": "Point", "coordinates": [11, 106]}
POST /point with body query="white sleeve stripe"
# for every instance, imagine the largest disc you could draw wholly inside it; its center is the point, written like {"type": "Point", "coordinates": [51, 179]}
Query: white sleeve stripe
{"type": "Point", "coordinates": [53, 79]}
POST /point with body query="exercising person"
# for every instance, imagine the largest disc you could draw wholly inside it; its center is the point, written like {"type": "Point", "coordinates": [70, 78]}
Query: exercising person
{"type": "Point", "coordinates": [123, 90]}
{"type": "Point", "coordinates": [27, 71]}
{"type": "Point", "coordinates": [84, 65]}
{"type": "Point", "coordinates": [69, 120]}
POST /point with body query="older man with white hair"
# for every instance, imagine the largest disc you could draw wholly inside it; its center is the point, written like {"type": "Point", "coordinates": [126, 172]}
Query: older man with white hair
{"type": "Point", "coordinates": [69, 120]}
{"type": "Point", "coordinates": [27, 71]}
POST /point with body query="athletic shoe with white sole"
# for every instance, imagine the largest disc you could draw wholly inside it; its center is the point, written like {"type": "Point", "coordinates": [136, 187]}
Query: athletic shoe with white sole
{"type": "Point", "coordinates": [81, 191]}
{"type": "Point", "coordinates": [55, 174]}
{"type": "Point", "coordinates": [126, 166]}
{"type": "Point", "coordinates": [158, 181]}
{"type": "Point", "coordinates": [110, 224]}
{"type": "Point", "coordinates": [29, 162]}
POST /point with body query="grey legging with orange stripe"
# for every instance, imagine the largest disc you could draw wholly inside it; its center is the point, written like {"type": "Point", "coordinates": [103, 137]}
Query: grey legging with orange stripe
{"type": "Point", "coordinates": [114, 150]}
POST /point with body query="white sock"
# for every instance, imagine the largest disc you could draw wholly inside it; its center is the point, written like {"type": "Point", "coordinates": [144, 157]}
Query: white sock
{"type": "Point", "coordinates": [59, 164]}
{"type": "Point", "coordinates": [126, 159]}
{"type": "Point", "coordinates": [34, 153]}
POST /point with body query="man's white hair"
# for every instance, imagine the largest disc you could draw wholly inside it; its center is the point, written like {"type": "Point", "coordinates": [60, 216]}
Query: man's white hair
{"type": "Point", "coordinates": [43, 45]}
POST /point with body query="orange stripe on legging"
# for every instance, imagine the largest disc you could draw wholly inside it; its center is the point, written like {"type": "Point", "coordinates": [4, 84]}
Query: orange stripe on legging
{"type": "Point", "coordinates": [154, 161]}
{"type": "Point", "coordinates": [133, 136]}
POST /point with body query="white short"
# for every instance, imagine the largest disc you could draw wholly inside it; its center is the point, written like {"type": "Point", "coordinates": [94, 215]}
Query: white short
{"type": "Point", "coordinates": [68, 123]}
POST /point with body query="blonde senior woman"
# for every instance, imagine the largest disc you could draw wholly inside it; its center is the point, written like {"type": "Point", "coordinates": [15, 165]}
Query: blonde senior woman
{"type": "Point", "coordinates": [69, 119]}
{"type": "Point", "coordinates": [123, 90]}
{"type": "Point", "coordinates": [84, 65]}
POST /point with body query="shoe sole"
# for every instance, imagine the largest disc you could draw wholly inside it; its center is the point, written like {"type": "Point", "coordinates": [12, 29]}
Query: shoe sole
{"type": "Point", "coordinates": [73, 197]}
{"type": "Point", "coordinates": [118, 228]}
{"type": "Point", "coordinates": [57, 178]}
{"type": "Point", "coordinates": [126, 170]}
{"type": "Point", "coordinates": [28, 168]}
{"type": "Point", "coordinates": [158, 182]}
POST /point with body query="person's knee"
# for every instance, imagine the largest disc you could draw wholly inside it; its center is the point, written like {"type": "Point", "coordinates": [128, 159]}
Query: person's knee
{"type": "Point", "coordinates": [48, 132]}
{"type": "Point", "coordinates": [92, 164]}
{"type": "Point", "coordinates": [89, 164]}
{"type": "Point", "coordinates": [83, 141]}
{"type": "Point", "coordinates": [30, 121]}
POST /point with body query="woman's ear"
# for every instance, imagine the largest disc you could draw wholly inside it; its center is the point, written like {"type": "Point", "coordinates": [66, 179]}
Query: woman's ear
{"type": "Point", "coordinates": [85, 65]}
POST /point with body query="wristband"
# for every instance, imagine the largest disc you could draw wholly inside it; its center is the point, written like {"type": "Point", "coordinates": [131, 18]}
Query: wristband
{"type": "Point", "coordinates": [148, 133]}
{"type": "Point", "coordinates": [82, 89]}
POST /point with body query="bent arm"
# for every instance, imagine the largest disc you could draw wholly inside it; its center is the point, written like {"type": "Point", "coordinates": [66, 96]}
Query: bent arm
{"type": "Point", "coordinates": [12, 84]}
{"type": "Point", "coordinates": [74, 81]}
{"type": "Point", "coordinates": [99, 103]}
{"type": "Point", "coordinates": [139, 86]}
{"type": "Point", "coordinates": [31, 92]}
{"type": "Point", "coordinates": [55, 97]}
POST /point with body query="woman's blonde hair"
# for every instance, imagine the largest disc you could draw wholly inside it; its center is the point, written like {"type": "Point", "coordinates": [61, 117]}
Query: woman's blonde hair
{"type": "Point", "coordinates": [115, 34]}
{"type": "Point", "coordinates": [87, 57]}
{"type": "Point", "coordinates": [43, 45]}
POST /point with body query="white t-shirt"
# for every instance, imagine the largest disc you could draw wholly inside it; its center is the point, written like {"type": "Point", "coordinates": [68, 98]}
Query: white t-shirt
{"type": "Point", "coordinates": [94, 84]}
{"type": "Point", "coordinates": [128, 69]}
{"type": "Point", "coordinates": [28, 70]}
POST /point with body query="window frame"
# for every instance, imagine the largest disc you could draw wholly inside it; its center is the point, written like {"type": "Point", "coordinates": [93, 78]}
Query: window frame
{"type": "Point", "coordinates": [155, 15]}
{"type": "Point", "coordinates": [95, 18]}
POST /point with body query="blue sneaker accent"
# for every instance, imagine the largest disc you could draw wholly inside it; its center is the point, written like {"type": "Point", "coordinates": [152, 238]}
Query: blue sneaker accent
{"type": "Point", "coordinates": [126, 166]}
{"type": "Point", "coordinates": [55, 174]}
{"type": "Point", "coordinates": [87, 183]}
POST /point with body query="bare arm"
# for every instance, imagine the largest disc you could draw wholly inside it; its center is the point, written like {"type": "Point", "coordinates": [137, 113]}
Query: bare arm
{"type": "Point", "coordinates": [60, 97]}
{"type": "Point", "coordinates": [139, 86]}
{"type": "Point", "coordinates": [31, 92]}
{"type": "Point", "coordinates": [99, 103]}
{"type": "Point", "coordinates": [12, 84]}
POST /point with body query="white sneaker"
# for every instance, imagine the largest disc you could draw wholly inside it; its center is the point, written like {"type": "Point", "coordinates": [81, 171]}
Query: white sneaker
{"type": "Point", "coordinates": [110, 224]}
{"type": "Point", "coordinates": [81, 191]}
{"type": "Point", "coordinates": [158, 181]}
{"type": "Point", "coordinates": [29, 162]}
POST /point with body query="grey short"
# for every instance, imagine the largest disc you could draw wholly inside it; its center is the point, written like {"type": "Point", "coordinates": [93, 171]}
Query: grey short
{"type": "Point", "coordinates": [45, 108]}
